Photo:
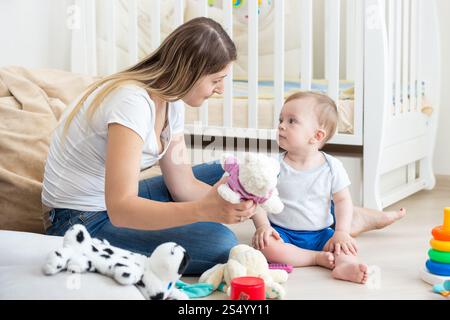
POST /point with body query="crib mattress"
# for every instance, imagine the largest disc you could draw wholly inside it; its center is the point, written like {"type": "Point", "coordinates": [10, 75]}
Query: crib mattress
{"type": "Point", "coordinates": [266, 105]}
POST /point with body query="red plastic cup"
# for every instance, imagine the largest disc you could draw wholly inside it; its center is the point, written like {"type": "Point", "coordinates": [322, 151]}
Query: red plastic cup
{"type": "Point", "coordinates": [248, 288]}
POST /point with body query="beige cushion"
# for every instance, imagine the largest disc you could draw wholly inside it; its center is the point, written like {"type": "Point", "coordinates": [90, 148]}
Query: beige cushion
{"type": "Point", "coordinates": [22, 257]}
{"type": "Point", "coordinates": [31, 102]}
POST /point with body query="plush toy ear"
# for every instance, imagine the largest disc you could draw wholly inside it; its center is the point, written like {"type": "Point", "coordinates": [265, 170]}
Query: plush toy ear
{"type": "Point", "coordinates": [252, 157]}
{"type": "Point", "coordinates": [213, 276]}
{"type": "Point", "coordinates": [227, 158]}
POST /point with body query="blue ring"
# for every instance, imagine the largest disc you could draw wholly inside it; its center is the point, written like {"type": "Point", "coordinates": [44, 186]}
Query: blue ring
{"type": "Point", "coordinates": [441, 269]}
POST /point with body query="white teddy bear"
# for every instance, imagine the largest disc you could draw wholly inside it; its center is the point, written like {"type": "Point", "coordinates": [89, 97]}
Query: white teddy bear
{"type": "Point", "coordinates": [246, 261]}
{"type": "Point", "coordinates": [155, 276]}
{"type": "Point", "coordinates": [255, 179]}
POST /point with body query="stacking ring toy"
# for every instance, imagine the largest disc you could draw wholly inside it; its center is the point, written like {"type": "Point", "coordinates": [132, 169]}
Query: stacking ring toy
{"type": "Point", "coordinates": [440, 245]}
{"type": "Point", "coordinates": [442, 233]}
{"type": "Point", "coordinates": [439, 256]}
{"type": "Point", "coordinates": [438, 268]}
{"type": "Point", "coordinates": [432, 279]}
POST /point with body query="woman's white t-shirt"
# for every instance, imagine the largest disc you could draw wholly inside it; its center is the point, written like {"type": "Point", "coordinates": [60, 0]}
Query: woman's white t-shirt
{"type": "Point", "coordinates": [75, 168]}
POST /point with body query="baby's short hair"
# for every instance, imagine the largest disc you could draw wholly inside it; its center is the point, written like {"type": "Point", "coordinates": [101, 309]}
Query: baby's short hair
{"type": "Point", "coordinates": [325, 109]}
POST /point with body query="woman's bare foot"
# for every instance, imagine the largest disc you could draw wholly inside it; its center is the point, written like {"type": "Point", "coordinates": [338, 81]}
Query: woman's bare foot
{"type": "Point", "coordinates": [325, 259]}
{"type": "Point", "coordinates": [367, 219]}
{"type": "Point", "coordinates": [354, 272]}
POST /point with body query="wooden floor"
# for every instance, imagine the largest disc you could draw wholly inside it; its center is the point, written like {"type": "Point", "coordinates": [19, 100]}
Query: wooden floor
{"type": "Point", "coordinates": [398, 252]}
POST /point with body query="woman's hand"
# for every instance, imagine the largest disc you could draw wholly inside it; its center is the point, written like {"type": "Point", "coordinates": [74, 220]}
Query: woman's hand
{"type": "Point", "coordinates": [341, 241]}
{"type": "Point", "coordinates": [262, 235]}
{"type": "Point", "coordinates": [214, 208]}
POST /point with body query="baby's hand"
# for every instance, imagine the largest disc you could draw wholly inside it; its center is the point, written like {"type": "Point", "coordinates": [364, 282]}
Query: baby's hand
{"type": "Point", "coordinates": [341, 241]}
{"type": "Point", "coordinates": [262, 235]}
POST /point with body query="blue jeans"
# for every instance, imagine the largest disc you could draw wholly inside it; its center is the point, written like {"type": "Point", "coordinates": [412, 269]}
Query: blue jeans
{"type": "Point", "coordinates": [207, 243]}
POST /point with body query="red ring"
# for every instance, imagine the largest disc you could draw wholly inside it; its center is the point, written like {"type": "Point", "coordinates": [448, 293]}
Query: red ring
{"type": "Point", "coordinates": [440, 234]}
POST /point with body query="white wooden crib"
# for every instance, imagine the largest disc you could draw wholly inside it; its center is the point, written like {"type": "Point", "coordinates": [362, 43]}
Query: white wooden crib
{"type": "Point", "coordinates": [380, 60]}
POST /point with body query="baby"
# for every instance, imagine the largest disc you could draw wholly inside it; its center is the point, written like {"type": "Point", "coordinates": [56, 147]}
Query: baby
{"type": "Point", "coordinates": [312, 184]}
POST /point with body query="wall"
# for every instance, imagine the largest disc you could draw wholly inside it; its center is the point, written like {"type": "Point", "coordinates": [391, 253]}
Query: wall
{"type": "Point", "coordinates": [442, 153]}
{"type": "Point", "coordinates": [34, 33]}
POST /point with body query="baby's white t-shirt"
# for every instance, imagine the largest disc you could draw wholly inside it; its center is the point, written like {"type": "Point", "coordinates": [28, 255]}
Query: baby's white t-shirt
{"type": "Point", "coordinates": [307, 195]}
{"type": "Point", "coordinates": [74, 175]}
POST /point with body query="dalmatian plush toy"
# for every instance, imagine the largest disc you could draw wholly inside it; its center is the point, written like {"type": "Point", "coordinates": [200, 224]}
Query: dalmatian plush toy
{"type": "Point", "coordinates": [155, 276]}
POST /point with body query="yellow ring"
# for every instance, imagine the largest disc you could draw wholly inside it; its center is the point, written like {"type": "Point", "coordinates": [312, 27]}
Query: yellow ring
{"type": "Point", "coordinates": [440, 245]}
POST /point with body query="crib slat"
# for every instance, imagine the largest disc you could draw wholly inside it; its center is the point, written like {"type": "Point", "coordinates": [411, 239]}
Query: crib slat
{"type": "Point", "coordinates": [350, 40]}
{"type": "Point", "coordinates": [419, 84]}
{"type": "Point", "coordinates": [306, 45]}
{"type": "Point", "coordinates": [411, 173]}
{"type": "Point", "coordinates": [332, 40]}
{"type": "Point", "coordinates": [155, 9]}
{"type": "Point", "coordinates": [391, 59]}
{"type": "Point", "coordinates": [203, 8]}
{"type": "Point", "coordinates": [405, 60]}
{"type": "Point", "coordinates": [253, 37]}
{"type": "Point", "coordinates": [279, 60]}
{"type": "Point", "coordinates": [111, 27]}
{"type": "Point", "coordinates": [79, 53]}
{"type": "Point", "coordinates": [133, 32]}
{"type": "Point", "coordinates": [91, 37]}
{"type": "Point", "coordinates": [413, 61]}
{"type": "Point", "coordinates": [204, 107]}
{"type": "Point", "coordinates": [398, 56]}
{"type": "Point", "coordinates": [179, 10]}
{"type": "Point", "coordinates": [359, 74]}
{"type": "Point", "coordinates": [228, 95]}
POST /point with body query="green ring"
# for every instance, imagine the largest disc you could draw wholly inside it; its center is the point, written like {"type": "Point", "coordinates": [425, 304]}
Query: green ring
{"type": "Point", "coordinates": [439, 256]}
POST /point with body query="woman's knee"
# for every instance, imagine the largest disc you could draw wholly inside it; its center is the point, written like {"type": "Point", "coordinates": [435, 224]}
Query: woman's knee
{"type": "Point", "coordinates": [208, 173]}
{"type": "Point", "coordinates": [225, 240]}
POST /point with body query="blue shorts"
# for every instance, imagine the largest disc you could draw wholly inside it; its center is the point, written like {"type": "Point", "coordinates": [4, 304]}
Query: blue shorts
{"type": "Point", "coordinates": [311, 240]}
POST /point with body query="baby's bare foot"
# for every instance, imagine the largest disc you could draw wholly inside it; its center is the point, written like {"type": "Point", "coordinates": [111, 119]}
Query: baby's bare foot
{"type": "Point", "coordinates": [354, 272]}
{"type": "Point", "coordinates": [325, 259]}
{"type": "Point", "coordinates": [390, 217]}
{"type": "Point", "coordinates": [372, 219]}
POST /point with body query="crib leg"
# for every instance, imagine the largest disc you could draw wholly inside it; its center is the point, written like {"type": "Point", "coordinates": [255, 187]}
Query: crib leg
{"type": "Point", "coordinates": [426, 171]}
{"type": "Point", "coordinates": [371, 181]}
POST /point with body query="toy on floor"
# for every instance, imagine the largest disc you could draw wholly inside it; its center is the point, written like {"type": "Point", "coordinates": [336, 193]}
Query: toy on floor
{"type": "Point", "coordinates": [247, 288]}
{"type": "Point", "coordinates": [255, 179]}
{"type": "Point", "coordinates": [443, 289]}
{"type": "Point", "coordinates": [282, 266]}
{"type": "Point", "coordinates": [246, 261]}
{"type": "Point", "coordinates": [155, 276]}
{"type": "Point", "coordinates": [437, 267]}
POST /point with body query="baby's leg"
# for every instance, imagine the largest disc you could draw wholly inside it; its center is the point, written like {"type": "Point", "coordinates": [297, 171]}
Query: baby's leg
{"type": "Point", "coordinates": [349, 268]}
{"type": "Point", "coordinates": [280, 252]}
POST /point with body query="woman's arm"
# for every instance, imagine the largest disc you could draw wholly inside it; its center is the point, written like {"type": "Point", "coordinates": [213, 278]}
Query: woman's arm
{"type": "Point", "coordinates": [126, 209]}
{"type": "Point", "coordinates": [178, 175]}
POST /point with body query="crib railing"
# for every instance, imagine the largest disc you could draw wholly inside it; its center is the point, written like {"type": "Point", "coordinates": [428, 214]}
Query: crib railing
{"type": "Point", "coordinates": [401, 23]}
{"type": "Point", "coordinates": [86, 35]}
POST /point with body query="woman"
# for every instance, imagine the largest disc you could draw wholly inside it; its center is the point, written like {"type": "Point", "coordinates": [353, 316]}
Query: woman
{"type": "Point", "coordinates": [127, 122]}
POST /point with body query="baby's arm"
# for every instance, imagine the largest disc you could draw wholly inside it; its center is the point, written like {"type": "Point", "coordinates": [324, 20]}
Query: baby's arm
{"type": "Point", "coordinates": [343, 211]}
{"type": "Point", "coordinates": [263, 229]}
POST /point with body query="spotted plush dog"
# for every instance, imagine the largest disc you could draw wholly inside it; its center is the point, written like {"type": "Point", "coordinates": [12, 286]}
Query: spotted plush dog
{"type": "Point", "coordinates": [155, 276]}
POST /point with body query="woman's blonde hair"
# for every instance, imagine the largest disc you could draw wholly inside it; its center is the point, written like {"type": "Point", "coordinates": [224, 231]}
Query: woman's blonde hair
{"type": "Point", "coordinates": [325, 109]}
{"type": "Point", "coordinates": [195, 49]}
